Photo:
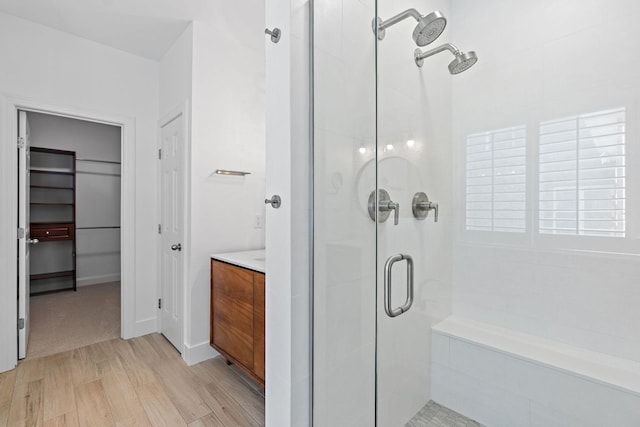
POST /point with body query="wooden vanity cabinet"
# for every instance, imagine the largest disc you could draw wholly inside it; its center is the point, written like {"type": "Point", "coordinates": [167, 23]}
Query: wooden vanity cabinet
{"type": "Point", "coordinates": [258, 325]}
{"type": "Point", "coordinates": [237, 317]}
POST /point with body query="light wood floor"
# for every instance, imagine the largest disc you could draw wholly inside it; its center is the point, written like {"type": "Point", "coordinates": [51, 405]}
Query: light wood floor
{"type": "Point", "coordinates": [138, 382]}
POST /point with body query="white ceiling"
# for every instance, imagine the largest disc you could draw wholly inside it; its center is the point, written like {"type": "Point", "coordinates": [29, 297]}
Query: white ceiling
{"type": "Point", "coordinates": [145, 28]}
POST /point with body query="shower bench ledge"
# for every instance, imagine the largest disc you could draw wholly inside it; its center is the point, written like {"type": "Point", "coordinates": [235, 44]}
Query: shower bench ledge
{"type": "Point", "coordinates": [619, 373]}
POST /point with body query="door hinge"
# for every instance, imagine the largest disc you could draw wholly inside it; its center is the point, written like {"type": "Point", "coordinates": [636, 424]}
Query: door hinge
{"type": "Point", "coordinates": [20, 233]}
{"type": "Point", "coordinates": [20, 142]}
{"type": "Point", "coordinates": [20, 324]}
{"type": "Point", "coordinates": [159, 153]}
{"type": "Point", "coordinates": [159, 303]}
{"type": "Point", "coordinates": [159, 228]}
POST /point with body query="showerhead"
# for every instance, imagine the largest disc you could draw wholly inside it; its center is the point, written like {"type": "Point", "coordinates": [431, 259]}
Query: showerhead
{"type": "Point", "coordinates": [429, 28]}
{"type": "Point", "coordinates": [462, 61]}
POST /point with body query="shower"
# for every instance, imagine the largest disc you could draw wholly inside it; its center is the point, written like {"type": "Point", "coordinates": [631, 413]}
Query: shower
{"type": "Point", "coordinates": [462, 61]}
{"type": "Point", "coordinates": [428, 29]}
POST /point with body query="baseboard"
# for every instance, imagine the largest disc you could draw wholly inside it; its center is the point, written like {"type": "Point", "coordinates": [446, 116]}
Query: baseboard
{"type": "Point", "coordinates": [96, 280]}
{"type": "Point", "coordinates": [144, 327]}
{"type": "Point", "coordinates": [198, 353]}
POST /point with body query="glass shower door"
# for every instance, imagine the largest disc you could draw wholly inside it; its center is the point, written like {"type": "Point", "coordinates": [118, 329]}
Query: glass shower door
{"type": "Point", "coordinates": [344, 324]}
{"type": "Point", "coordinates": [413, 252]}
{"type": "Point", "coordinates": [381, 273]}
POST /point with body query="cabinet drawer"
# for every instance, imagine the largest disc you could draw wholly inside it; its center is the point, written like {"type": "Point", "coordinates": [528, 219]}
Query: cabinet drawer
{"type": "Point", "coordinates": [46, 232]}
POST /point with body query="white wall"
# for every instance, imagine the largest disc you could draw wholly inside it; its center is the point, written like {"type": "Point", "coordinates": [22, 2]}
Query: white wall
{"type": "Point", "coordinates": [55, 68]}
{"type": "Point", "coordinates": [540, 61]}
{"type": "Point", "coordinates": [288, 236]}
{"type": "Point", "coordinates": [175, 73]}
{"type": "Point", "coordinates": [226, 48]}
{"type": "Point", "coordinates": [97, 192]}
{"type": "Point", "coordinates": [227, 132]}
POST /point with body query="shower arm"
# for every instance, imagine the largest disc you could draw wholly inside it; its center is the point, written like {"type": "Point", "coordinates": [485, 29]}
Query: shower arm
{"type": "Point", "coordinates": [399, 17]}
{"type": "Point", "coordinates": [447, 46]}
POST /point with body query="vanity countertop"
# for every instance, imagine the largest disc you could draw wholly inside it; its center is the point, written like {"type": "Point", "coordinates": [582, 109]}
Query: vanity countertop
{"type": "Point", "coordinates": [253, 260]}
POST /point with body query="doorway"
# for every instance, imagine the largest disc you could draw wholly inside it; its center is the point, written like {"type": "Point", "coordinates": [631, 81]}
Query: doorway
{"type": "Point", "coordinates": [72, 198]}
{"type": "Point", "coordinates": [9, 107]}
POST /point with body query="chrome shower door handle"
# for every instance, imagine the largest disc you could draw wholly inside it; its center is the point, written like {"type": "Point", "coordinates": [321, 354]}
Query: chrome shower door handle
{"type": "Point", "coordinates": [388, 266]}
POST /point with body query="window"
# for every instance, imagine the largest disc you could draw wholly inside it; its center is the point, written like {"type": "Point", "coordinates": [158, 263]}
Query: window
{"type": "Point", "coordinates": [496, 180]}
{"type": "Point", "coordinates": [582, 175]}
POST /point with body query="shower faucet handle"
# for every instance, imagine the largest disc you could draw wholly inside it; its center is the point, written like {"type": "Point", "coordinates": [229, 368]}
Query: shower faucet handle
{"type": "Point", "coordinates": [390, 206]}
{"type": "Point", "coordinates": [385, 206]}
{"type": "Point", "coordinates": [421, 205]}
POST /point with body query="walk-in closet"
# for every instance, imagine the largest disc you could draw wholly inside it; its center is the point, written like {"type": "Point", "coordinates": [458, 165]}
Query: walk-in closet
{"type": "Point", "coordinates": [74, 205]}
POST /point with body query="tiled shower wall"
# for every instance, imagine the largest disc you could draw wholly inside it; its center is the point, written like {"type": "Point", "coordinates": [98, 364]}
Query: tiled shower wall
{"type": "Point", "coordinates": [541, 61]}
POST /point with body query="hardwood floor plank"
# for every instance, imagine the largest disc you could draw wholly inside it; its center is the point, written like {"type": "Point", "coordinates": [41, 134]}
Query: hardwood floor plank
{"type": "Point", "coordinates": [26, 405]}
{"type": "Point", "coordinates": [125, 406]}
{"type": "Point", "coordinates": [18, 409]}
{"type": "Point", "coordinates": [225, 408]}
{"type": "Point", "coordinates": [103, 354]}
{"type": "Point", "coordinates": [163, 346]}
{"type": "Point", "coordinates": [7, 385]}
{"type": "Point", "coordinates": [207, 421]}
{"type": "Point", "coordinates": [139, 372]}
{"type": "Point", "coordinates": [134, 383]}
{"type": "Point", "coordinates": [85, 370]}
{"type": "Point", "coordinates": [143, 349]}
{"type": "Point", "coordinates": [102, 351]}
{"type": "Point", "coordinates": [93, 406]}
{"type": "Point", "coordinates": [30, 370]}
{"type": "Point", "coordinates": [59, 396]}
{"type": "Point", "coordinates": [158, 406]}
{"type": "Point", "coordinates": [35, 410]}
{"type": "Point", "coordinates": [216, 370]}
{"type": "Point", "coordinates": [181, 385]}
{"type": "Point", "coordinates": [65, 420]}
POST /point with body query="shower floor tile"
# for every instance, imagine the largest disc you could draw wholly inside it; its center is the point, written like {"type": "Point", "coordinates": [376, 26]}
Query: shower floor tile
{"type": "Point", "coordinates": [435, 415]}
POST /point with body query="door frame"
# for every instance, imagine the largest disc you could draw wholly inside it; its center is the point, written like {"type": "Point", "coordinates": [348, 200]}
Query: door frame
{"type": "Point", "coordinates": [180, 110]}
{"type": "Point", "coordinates": [9, 106]}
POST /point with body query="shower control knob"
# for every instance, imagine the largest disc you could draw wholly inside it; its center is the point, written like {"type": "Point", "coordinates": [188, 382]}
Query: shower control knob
{"type": "Point", "coordinates": [385, 206]}
{"type": "Point", "coordinates": [421, 205]}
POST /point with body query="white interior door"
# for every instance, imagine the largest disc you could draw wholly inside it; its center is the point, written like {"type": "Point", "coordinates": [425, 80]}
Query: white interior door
{"type": "Point", "coordinates": [24, 240]}
{"type": "Point", "coordinates": [172, 230]}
